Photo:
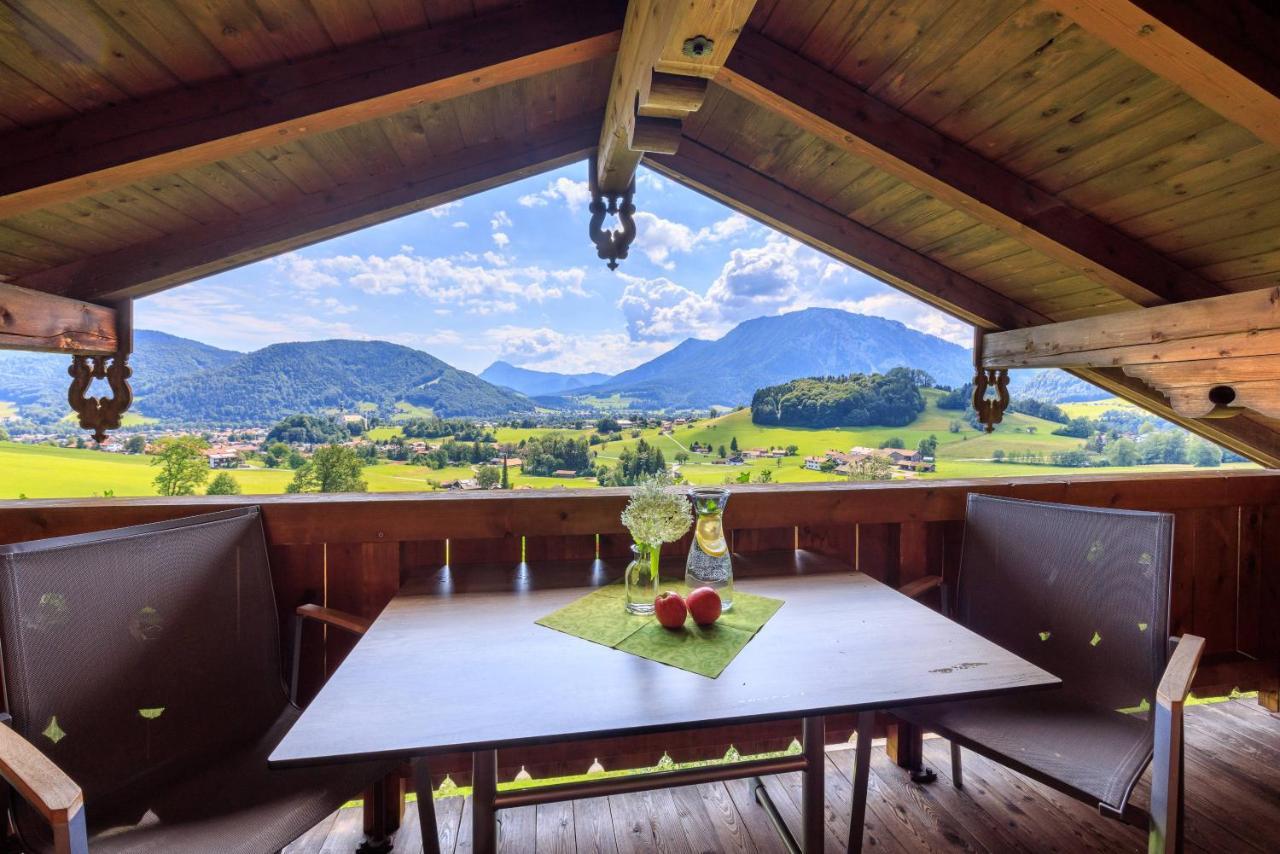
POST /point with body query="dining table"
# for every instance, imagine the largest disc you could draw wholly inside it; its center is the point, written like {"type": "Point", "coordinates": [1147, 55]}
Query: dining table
{"type": "Point", "coordinates": [457, 663]}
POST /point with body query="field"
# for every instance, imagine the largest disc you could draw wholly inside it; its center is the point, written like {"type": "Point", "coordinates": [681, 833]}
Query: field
{"type": "Point", "coordinates": [47, 472]}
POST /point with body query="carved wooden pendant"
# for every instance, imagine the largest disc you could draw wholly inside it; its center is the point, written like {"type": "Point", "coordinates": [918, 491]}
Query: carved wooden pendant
{"type": "Point", "coordinates": [990, 410]}
{"type": "Point", "coordinates": [100, 414]}
{"type": "Point", "coordinates": [611, 245]}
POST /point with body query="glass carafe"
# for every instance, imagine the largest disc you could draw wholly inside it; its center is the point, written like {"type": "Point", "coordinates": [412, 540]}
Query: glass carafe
{"type": "Point", "coordinates": [709, 563]}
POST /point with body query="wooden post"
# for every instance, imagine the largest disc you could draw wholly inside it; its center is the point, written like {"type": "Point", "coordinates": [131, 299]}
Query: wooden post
{"type": "Point", "coordinates": [426, 806]}
{"type": "Point", "coordinates": [484, 793]}
{"type": "Point", "coordinates": [814, 734]}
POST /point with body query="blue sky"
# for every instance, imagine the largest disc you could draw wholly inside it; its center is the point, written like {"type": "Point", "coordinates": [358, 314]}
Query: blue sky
{"type": "Point", "coordinates": [511, 274]}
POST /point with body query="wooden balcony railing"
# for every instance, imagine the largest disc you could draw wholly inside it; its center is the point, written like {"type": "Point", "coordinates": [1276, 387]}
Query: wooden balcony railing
{"type": "Point", "coordinates": [351, 551]}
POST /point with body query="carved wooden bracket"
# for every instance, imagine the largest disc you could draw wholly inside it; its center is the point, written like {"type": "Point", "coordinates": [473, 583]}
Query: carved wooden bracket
{"type": "Point", "coordinates": [990, 410]}
{"type": "Point", "coordinates": [101, 414]}
{"type": "Point", "coordinates": [611, 245]}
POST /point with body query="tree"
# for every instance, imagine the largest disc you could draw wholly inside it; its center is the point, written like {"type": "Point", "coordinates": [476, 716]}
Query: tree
{"type": "Point", "coordinates": [182, 465]}
{"type": "Point", "coordinates": [506, 476]}
{"type": "Point", "coordinates": [1122, 452]}
{"type": "Point", "coordinates": [733, 443]}
{"type": "Point", "coordinates": [308, 430]}
{"type": "Point", "coordinates": [721, 451]}
{"type": "Point", "coordinates": [764, 476]}
{"type": "Point", "coordinates": [872, 467]}
{"type": "Point", "coordinates": [223, 484]}
{"type": "Point", "coordinates": [4, 435]}
{"type": "Point", "coordinates": [792, 450]}
{"type": "Point", "coordinates": [997, 456]}
{"type": "Point", "coordinates": [893, 442]}
{"type": "Point", "coordinates": [682, 457]}
{"type": "Point", "coordinates": [136, 444]}
{"type": "Point", "coordinates": [333, 468]}
{"type": "Point", "coordinates": [1203, 454]}
{"type": "Point", "coordinates": [488, 476]}
{"type": "Point", "coordinates": [928, 447]}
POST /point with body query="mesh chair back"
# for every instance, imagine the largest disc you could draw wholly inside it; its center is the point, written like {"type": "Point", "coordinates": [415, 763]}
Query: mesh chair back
{"type": "Point", "coordinates": [1079, 591]}
{"type": "Point", "coordinates": [133, 655]}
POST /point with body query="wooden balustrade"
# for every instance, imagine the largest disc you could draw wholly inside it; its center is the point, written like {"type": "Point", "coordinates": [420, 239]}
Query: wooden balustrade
{"type": "Point", "coordinates": [351, 551]}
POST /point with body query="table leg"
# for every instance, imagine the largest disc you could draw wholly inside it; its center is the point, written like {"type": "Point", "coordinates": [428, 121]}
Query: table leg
{"type": "Point", "coordinates": [484, 792]}
{"type": "Point", "coordinates": [814, 735]}
{"type": "Point", "coordinates": [861, 776]}
{"type": "Point", "coordinates": [426, 806]}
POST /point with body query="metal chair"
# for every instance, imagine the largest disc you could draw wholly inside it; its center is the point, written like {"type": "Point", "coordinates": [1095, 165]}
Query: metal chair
{"type": "Point", "coordinates": [143, 674]}
{"type": "Point", "coordinates": [1084, 593]}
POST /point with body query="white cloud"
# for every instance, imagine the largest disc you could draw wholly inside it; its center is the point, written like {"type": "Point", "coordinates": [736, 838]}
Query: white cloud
{"type": "Point", "coordinates": [445, 210]}
{"type": "Point", "coordinates": [546, 349]}
{"type": "Point", "coordinates": [461, 224]}
{"type": "Point", "coordinates": [216, 315]}
{"type": "Point", "coordinates": [780, 276]}
{"type": "Point", "coordinates": [575, 195]}
{"type": "Point", "coordinates": [304, 273]}
{"type": "Point", "coordinates": [500, 220]}
{"type": "Point", "coordinates": [658, 238]}
{"type": "Point", "coordinates": [647, 180]}
{"type": "Point", "coordinates": [501, 239]}
{"type": "Point", "coordinates": [479, 285]}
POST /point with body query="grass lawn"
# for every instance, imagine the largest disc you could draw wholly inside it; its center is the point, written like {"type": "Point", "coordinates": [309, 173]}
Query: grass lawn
{"type": "Point", "coordinates": [1094, 408]}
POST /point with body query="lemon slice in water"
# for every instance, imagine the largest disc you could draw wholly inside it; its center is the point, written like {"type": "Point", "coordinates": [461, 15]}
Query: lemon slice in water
{"type": "Point", "coordinates": [710, 536]}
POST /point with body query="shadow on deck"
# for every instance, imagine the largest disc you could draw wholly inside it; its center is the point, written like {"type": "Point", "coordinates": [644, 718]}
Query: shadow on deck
{"type": "Point", "coordinates": [1233, 802]}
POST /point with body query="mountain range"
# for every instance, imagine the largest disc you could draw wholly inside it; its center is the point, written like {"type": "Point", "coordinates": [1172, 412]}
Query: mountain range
{"type": "Point", "coordinates": [534, 383]}
{"type": "Point", "coordinates": [771, 350]}
{"type": "Point", "coordinates": [176, 379]}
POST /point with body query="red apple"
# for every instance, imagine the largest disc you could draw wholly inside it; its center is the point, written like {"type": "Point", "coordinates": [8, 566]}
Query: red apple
{"type": "Point", "coordinates": [670, 610]}
{"type": "Point", "coordinates": [704, 606]}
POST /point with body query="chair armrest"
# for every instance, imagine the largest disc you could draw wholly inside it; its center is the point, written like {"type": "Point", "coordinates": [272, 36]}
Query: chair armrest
{"type": "Point", "coordinates": [337, 619]}
{"type": "Point", "coordinates": [1175, 684]}
{"type": "Point", "coordinates": [329, 617]}
{"type": "Point", "coordinates": [916, 589]}
{"type": "Point", "coordinates": [1167, 781]}
{"type": "Point", "coordinates": [47, 788]}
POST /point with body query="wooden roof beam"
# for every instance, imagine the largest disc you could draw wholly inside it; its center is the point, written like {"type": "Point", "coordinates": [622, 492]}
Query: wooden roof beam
{"type": "Point", "coordinates": [1226, 62]}
{"type": "Point", "coordinates": [32, 320]}
{"type": "Point", "coordinates": [669, 50]}
{"type": "Point", "coordinates": [169, 132]}
{"type": "Point", "coordinates": [780, 207]}
{"type": "Point", "coordinates": [848, 118]}
{"type": "Point", "coordinates": [174, 259]}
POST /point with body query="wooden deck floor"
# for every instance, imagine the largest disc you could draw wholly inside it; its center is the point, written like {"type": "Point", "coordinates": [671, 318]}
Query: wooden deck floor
{"type": "Point", "coordinates": [1233, 798]}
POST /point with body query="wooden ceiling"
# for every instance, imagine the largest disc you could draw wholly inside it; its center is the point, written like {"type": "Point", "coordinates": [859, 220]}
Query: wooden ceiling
{"type": "Point", "coordinates": [1015, 162]}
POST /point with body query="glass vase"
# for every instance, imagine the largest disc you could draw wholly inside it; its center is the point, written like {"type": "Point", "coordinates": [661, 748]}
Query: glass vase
{"type": "Point", "coordinates": [709, 564]}
{"type": "Point", "coordinates": [642, 579]}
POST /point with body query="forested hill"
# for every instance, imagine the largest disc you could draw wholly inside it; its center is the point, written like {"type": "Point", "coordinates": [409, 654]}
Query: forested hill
{"type": "Point", "coordinates": [314, 376]}
{"type": "Point", "coordinates": [891, 399]}
{"type": "Point", "coordinates": [532, 382]}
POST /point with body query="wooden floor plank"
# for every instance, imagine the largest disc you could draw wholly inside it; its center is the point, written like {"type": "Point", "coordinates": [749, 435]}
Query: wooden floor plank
{"type": "Point", "coordinates": [705, 825]}
{"type": "Point", "coordinates": [1233, 804]}
{"type": "Point", "coordinates": [517, 829]}
{"type": "Point", "coordinates": [646, 823]}
{"type": "Point", "coordinates": [555, 829]}
{"type": "Point", "coordinates": [593, 826]}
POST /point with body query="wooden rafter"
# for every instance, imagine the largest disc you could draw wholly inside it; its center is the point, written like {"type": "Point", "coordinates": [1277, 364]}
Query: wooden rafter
{"type": "Point", "coordinates": [32, 320]}
{"type": "Point", "coordinates": [1224, 59]}
{"type": "Point", "coordinates": [178, 258]}
{"type": "Point", "coordinates": [657, 80]}
{"type": "Point", "coordinates": [224, 118]}
{"type": "Point", "coordinates": [1210, 356]}
{"type": "Point", "coordinates": [848, 118]}
{"type": "Point", "coordinates": [767, 201]}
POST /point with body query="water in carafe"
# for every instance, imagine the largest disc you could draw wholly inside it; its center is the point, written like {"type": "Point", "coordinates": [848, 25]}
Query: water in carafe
{"type": "Point", "coordinates": [709, 564]}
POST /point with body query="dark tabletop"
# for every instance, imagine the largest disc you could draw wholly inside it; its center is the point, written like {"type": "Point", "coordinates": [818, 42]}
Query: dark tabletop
{"type": "Point", "coordinates": [466, 667]}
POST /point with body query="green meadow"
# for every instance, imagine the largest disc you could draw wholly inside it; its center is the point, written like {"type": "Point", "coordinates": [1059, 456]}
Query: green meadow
{"type": "Point", "coordinates": [46, 472]}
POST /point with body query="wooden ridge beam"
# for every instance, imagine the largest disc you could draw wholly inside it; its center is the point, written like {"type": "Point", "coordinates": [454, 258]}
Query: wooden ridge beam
{"type": "Point", "coordinates": [177, 258]}
{"type": "Point", "coordinates": [657, 81]}
{"type": "Point", "coordinates": [848, 118]}
{"type": "Point", "coordinates": [1225, 62]}
{"type": "Point", "coordinates": [138, 140]}
{"type": "Point", "coordinates": [32, 320]}
{"type": "Point", "coordinates": [794, 214]}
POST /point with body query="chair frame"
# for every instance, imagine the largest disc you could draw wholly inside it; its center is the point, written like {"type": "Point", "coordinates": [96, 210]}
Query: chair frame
{"type": "Point", "coordinates": [59, 799]}
{"type": "Point", "coordinates": [1163, 822]}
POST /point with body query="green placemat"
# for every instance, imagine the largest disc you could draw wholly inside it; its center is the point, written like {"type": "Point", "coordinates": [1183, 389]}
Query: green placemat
{"type": "Point", "coordinates": [600, 617]}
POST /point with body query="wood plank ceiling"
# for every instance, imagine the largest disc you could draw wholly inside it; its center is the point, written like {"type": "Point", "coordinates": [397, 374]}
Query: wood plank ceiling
{"type": "Point", "coordinates": [997, 157]}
